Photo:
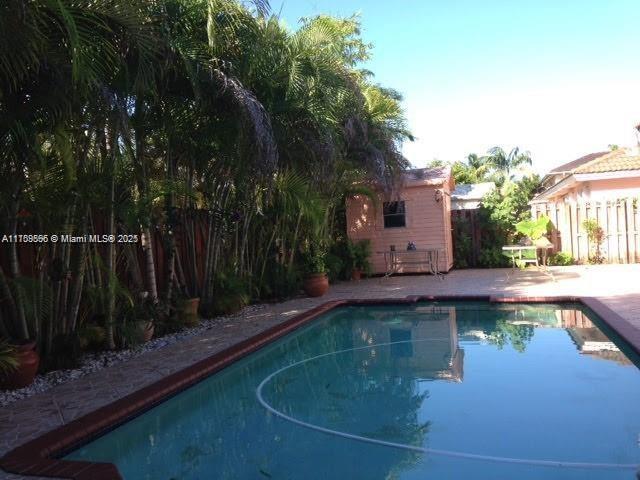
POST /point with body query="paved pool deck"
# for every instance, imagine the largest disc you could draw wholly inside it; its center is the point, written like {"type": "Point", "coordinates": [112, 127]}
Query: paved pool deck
{"type": "Point", "coordinates": [616, 286]}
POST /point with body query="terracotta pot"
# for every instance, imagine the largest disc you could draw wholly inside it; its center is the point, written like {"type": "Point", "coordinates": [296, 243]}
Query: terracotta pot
{"type": "Point", "coordinates": [356, 274]}
{"type": "Point", "coordinates": [316, 285]}
{"type": "Point", "coordinates": [28, 361]}
{"type": "Point", "coordinates": [189, 312]}
{"type": "Point", "coordinates": [146, 329]}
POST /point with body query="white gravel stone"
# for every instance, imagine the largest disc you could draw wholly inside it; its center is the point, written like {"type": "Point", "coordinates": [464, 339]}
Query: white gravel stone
{"type": "Point", "coordinates": [95, 361]}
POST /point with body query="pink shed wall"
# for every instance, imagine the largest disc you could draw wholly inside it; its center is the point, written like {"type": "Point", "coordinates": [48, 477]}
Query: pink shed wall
{"type": "Point", "coordinates": [428, 225]}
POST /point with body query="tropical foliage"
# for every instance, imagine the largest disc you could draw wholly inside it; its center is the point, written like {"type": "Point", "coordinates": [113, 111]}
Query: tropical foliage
{"type": "Point", "coordinates": [213, 144]}
{"type": "Point", "coordinates": [534, 229]}
{"type": "Point", "coordinates": [501, 210]}
{"type": "Point", "coordinates": [596, 237]}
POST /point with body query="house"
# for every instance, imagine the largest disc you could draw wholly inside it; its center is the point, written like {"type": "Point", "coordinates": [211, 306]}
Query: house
{"type": "Point", "coordinates": [604, 186]}
{"type": "Point", "coordinates": [418, 211]}
{"type": "Point", "coordinates": [468, 196]}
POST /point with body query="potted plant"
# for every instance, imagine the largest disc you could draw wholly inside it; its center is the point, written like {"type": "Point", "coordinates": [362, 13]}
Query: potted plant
{"type": "Point", "coordinates": [8, 359]}
{"type": "Point", "coordinates": [188, 311]}
{"type": "Point", "coordinates": [316, 281]}
{"type": "Point", "coordinates": [360, 253]}
{"type": "Point", "coordinates": [535, 231]}
{"type": "Point", "coordinates": [19, 363]}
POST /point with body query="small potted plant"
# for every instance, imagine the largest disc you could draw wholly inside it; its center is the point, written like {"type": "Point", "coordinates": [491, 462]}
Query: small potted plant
{"type": "Point", "coordinates": [145, 313]}
{"type": "Point", "coordinates": [360, 253]}
{"type": "Point", "coordinates": [316, 281]}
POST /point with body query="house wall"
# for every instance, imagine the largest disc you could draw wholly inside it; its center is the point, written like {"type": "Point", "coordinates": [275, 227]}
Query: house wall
{"type": "Point", "coordinates": [428, 225]}
{"type": "Point", "coordinates": [605, 189]}
{"type": "Point", "coordinates": [613, 203]}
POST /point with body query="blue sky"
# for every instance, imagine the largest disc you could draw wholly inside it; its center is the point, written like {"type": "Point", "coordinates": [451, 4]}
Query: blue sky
{"type": "Point", "coordinates": [558, 78]}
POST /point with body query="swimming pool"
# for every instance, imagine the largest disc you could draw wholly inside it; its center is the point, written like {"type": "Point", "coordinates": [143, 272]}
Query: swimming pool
{"type": "Point", "coordinates": [427, 390]}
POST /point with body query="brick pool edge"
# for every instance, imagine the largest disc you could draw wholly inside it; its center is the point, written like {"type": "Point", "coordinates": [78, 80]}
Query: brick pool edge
{"type": "Point", "coordinates": [37, 457]}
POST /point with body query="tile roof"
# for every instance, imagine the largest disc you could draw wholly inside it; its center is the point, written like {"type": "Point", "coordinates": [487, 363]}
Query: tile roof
{"type": "Point", "coordinates": [614, 161]}
{"type": "Point", "coordinates": [570, 166]}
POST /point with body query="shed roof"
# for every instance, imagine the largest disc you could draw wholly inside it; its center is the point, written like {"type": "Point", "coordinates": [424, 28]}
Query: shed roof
{"type": "Point", "coordinates": [472, 191]}
{"type": "Point", "coordinates": [427, 176]}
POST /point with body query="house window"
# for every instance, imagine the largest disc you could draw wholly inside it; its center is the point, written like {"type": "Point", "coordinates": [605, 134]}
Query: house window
{"type": "Point", "coordinates": [393, 214]}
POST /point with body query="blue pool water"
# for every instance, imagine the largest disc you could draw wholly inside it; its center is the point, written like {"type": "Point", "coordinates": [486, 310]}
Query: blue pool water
{"type": "Point", "coordinates": [433, 390]}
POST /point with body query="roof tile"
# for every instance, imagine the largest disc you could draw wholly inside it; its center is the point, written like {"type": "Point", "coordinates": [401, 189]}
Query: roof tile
{"type": "Point", "coordinates": [615, 161]}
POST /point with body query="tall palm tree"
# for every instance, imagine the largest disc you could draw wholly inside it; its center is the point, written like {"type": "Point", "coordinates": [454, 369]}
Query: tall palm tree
{"type": "Point", "coordinates": [504, 164]}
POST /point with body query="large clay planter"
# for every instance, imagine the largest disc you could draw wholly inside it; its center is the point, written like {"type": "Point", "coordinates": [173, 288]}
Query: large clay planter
{"type": "Point", "coordinates": [189, 312]}
{"type": "Point", "coordinates": [28, 361]}
{"type": "Point", "coordinates": [316, 284]}
{"type": "Point", "coordinates": [356, 274]}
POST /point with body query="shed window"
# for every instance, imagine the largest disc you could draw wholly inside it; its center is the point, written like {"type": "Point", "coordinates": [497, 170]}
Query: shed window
{"type": "Point", "coordinates": [394, 214]}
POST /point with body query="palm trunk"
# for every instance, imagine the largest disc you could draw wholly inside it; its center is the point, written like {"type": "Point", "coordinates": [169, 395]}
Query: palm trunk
{"type": "Point", "coordinates": [171, 241]}
{"type": "Point", "coordinates": [7, 298]}
{"type": "Point", "coordinates": [14, 265]}
{"type": "Point", "coordinates": [66, 260]}
{"type": "Point", "coordinates": [150, 265]}
{"type": "Point", "coordinates": [111, 257]}
{"type": "Point", "coordinates": [78, 278]}
{"type": "Point", "coordinates": [294, 241]}
{"type": "Point", "coordinates": [111, 156]}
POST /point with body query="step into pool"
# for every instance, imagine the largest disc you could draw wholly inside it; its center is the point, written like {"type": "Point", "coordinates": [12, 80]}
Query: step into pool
{"type": "Point", "coordinates": [441, 390]}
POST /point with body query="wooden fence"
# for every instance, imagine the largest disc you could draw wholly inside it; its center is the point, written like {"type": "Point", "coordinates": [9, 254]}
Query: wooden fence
{"type": "Point", "coordinates": [465, 226]}
{"type": "Point", "coordinates": [619, 219]}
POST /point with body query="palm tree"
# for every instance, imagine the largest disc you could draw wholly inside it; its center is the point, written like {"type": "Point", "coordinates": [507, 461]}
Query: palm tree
{"type": "Point", "coordinates": [185, 122]}
{"type": "Point", "coordinates": [504, 164]}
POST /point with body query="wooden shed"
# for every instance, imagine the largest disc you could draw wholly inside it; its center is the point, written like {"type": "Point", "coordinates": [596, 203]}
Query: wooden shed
{"type": "Point", "coordinates": [418, 212]}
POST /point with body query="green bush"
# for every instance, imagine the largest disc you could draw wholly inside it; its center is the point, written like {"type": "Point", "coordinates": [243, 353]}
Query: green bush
{"type": "Point", "coordinates": [279, 282]}
{"type": "Point", "coordinates": [345, 256]}
{"type": "Point", "coordinates": [231, 294]}
{"type": "Point", "coordinates": [335, 267]}
{"type": "Point", "coordinates": [314, 257]}
{"type": "Point", "coordinates": [493, 258]}
{"type": "Point", "coordinates": [360, 252]}
{"type": "Point", "coordinates": [561, 259]}
{"type": "Point", "coordinates": [596, 235]}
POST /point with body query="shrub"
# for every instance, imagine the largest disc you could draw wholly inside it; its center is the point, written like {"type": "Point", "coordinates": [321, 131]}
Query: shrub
{"type": "Point", "coordinates": [279, 282]}
{"type": "Point", "coordinates": [347, 256]}
{"type": "Point", "coordinates": [493, 258]}
{"type": "Point", "coordinates": [231, 294]}
{"type": "Point", "coordinates": [596, 238]}
{"type": "Point", "coordinates": [314, 258]}
{"type": "Point", "coordinates": [360, 252]}
{"type": "Point", "coordinates": [335, 267]}
{"type": "Point", "coordinates": [92, 336]}
{"type": "Point", "coordinates": [561, 259]}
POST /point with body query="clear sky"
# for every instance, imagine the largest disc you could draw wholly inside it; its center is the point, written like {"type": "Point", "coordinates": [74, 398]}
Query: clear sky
{"type": "Point", "coordinates": [560, 78]}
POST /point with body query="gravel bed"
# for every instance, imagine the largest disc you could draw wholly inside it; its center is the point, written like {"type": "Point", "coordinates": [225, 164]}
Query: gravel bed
{"type": "Point", "coordinates": [92, 362]}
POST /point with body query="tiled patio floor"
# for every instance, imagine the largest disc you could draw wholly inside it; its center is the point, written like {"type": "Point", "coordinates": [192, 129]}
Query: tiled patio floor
{"type": "Point", "coordinates": [618, 286]}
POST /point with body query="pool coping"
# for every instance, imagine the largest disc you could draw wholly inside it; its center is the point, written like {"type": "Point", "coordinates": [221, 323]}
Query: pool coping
{"type": "Point", "coordinates": [37, 457]}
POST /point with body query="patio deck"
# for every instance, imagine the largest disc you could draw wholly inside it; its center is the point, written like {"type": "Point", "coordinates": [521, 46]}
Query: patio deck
{"type": "Point", "coordinates": [617, 286]}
